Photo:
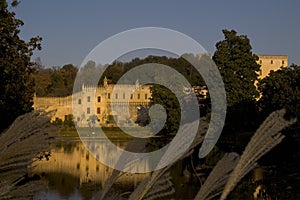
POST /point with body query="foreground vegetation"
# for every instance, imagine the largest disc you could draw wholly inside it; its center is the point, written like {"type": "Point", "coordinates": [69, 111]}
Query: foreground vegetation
{"type": "Point", "coordinates": [32, 139]}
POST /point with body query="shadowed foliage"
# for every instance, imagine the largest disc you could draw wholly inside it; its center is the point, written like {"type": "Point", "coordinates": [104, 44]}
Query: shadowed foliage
{"type": "Point", "coordinates": [16, 71]}
{"type": "Point", "coordinates": [26, 140]}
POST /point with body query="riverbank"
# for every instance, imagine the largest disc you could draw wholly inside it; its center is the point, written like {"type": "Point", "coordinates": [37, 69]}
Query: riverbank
{"type": "Point", "coordinates": [110, 132]}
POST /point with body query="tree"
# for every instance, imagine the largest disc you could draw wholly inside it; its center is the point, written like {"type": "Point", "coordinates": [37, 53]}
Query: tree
{"type": "Point", "coordinates": [88, 75]}
{"type": "Point", "coordinates": [16, 71]}
{"type": "Point", "coordinates": [164, 97]}
{"type": "Point", "coordinates": [239, 71]}
{"type": "Point", "coordinates": [56, 81]}
{"type": "Point", "coordinates": [238, 67]}
{"type": "Point", "coordinates": [42, 79]}
{"type": "Point", "coordinates": [281, 89]}
{"type": "Point", "coordinates": [143, 118]}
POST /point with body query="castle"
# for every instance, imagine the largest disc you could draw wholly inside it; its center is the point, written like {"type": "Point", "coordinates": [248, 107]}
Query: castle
{"type": "Point", "coordinates": [107, 104]}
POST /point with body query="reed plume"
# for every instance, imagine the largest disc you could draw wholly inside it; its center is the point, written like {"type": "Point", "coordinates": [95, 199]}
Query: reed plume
{"type": "Point", "coordinates": [215, 182]}
{"type": "Point", "coordinates": [20, 146]}
{"type": "Point", "coordinates": [265, 138]}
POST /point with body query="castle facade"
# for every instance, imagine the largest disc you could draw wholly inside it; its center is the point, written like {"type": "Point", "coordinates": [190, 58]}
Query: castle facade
{"type": "Point", "coordinates": [105, 104]}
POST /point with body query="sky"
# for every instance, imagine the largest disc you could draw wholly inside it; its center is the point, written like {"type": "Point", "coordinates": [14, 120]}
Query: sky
{"type": "Point", "coordinates": [72, 28]}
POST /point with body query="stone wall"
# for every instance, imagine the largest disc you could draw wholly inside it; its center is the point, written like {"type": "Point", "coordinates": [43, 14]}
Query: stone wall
{"type": "Point", "coordinates": [61, 105]}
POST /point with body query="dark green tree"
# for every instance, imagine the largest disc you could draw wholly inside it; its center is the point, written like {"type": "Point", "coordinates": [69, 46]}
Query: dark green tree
{"type": "Point", "coordinates": [164, 97]}
{"type": "Point", "coordinates": [63, 80]}
{"type": "Point", "coordinates": [16, 71]}
{"type": "Point", "coordinates": [239, 71]}
{"type": "Point", "coordinates": [281, 89]}
{"type": "Point", "coordinates": [142, 116]}
{"type": "Point", "coordinates": [238, 67]}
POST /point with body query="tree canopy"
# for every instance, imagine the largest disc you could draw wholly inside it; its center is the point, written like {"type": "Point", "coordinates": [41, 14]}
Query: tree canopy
{"type": "Point", "coordinates": [16, 71]}
{"type": "Point", "coordinates": [281, 89]}
{"type": "Point", "coordinates": [56, 81]}
{"type": "Point", "coordinates": [239, 71]}
{"type": "Point", "coordinates": [238, 67]}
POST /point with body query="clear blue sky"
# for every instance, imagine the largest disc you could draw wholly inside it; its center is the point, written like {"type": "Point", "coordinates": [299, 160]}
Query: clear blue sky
{"type": "Point", "coordinates": [71, 28]}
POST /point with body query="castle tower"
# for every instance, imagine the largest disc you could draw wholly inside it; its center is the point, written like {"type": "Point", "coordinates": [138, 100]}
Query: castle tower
{"type": "Point", "coordinates": [105, 82]}
{"type": "Point", "coordinates": [271, 62]}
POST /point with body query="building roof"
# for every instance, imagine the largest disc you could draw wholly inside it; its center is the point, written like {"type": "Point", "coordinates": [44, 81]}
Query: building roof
{"type": "Point", "coordinates": [271, 56]}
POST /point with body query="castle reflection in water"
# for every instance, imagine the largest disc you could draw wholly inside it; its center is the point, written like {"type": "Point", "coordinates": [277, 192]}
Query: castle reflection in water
{"type": "Point", "coordinates": [74, 159]}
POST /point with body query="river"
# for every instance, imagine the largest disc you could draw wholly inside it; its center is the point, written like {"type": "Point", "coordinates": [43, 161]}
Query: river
{"type": "Point", "coordinates": [72, 172]}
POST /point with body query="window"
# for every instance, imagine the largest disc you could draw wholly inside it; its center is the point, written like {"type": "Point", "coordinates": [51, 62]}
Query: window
{"type": "Point", "coordinates": [79, 101]}
{"type": "Point", "coordinates": [138, 96]}
{"type": "Point", "coordinates": [108, 95]}
{"type": "Point", "coordinates": [146, 97]}
{"type": "Point", "coordinates": [282, 62]}
{"type": "Point", "coordinates": [99, 99]}
{"type": "Point", "coordinates": [78, 119]}
{"type": "Point", "coordinates": [88, 110]}
{"type": "Point", "coordinates": [271, 61]}
{"type": "Point", "coordinates": [123, 95]}
{"type": "Point", "coordinates": [98, 110]}
{"type": "Point", "coordinates": [88, 99]}
{"type": "Point", "coordinates": [131, 96]}
{"type": "Point", "coordinates": [116, 96]}
{"type": "Point", "coordinates": [260, 62]}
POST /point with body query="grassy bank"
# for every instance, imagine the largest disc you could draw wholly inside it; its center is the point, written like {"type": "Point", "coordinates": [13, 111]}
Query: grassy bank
{"type": "Point", "coordinates": [110, 132]}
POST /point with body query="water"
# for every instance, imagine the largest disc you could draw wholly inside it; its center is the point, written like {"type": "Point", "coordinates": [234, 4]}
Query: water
{"type": "Point", "coordinates": [72, 172]}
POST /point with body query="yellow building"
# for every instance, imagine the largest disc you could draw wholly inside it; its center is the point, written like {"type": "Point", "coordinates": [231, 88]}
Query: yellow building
{"type": "Point", "coordinates": [106, 102]}
{"type": "Point", "coordinates": [271, 62]}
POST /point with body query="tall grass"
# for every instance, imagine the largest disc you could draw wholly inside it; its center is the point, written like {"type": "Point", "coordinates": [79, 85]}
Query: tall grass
{"type": "Point", "coordinates": [265, 138]}
{"type": "Point", "coordinates": [24, 142]}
